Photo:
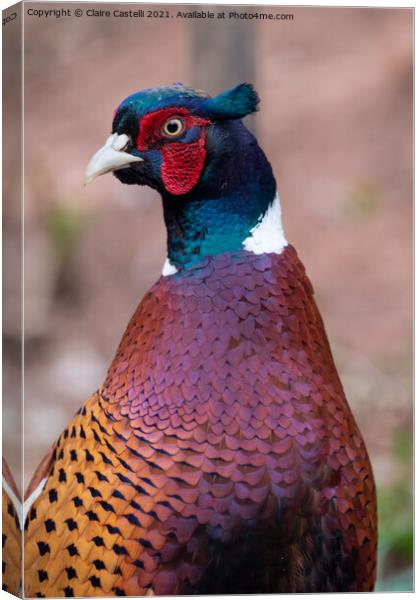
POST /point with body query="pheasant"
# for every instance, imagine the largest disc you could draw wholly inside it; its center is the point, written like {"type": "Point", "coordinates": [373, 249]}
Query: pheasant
{"type": "Point", "coordinates": [220, 454]}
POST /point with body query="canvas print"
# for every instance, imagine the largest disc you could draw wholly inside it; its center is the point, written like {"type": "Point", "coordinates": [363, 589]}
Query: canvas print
{"type": "Point", "coordinates": [207, 289]}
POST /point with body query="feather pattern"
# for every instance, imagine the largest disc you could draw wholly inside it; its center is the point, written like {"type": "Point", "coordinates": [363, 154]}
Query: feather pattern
{"type": "Point", "coordinates": [220, 454]}
{"type": "Point", "coordinates": [11, 534]}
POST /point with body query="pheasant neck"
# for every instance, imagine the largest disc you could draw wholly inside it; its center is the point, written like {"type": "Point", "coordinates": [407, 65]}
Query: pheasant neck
{"type": "Point", "coordinates": [235, 196]}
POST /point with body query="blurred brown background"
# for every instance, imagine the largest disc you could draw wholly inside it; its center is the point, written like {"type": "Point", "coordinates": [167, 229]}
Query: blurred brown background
{"type": "Point", "coordinates": [336, 123]}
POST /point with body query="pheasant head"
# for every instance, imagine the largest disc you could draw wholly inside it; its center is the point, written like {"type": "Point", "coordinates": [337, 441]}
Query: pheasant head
{"type": "Point", "coordinates": [216, 184]}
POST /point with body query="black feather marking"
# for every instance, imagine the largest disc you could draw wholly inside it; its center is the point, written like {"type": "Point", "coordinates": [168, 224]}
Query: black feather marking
{"type": "Point", "coordinates": [72, 550]}
{"type": "Point", "coordinates": [49, 525]}
{"type": "Point", "coordinates": [89, 456]}
{"type": "Point", "coordinates": [80, 478]}
{"type": "Point", "coordinates": [106, 506]}
{"type": "Point", "coordinates": [118, 494]}
{"type": "Point", "coordinates": [101, 477]}
{"type": "Point", "coordinates": [105, 459]}
{"type": "Point", "coordinates": [95, 581]}
{"type": "Point", "coordinates": [94, 492]}
{"type": "Point", "coordinates": [98, 541]}
{"type": "Point", "coordinates": [68, 592]}
{"type": "Point", "coordinates": [96, 436]}
{"type": "Point", "coordinates": [120, 550]}
{"type": "Point", "coordinates": [71, 573]}
{"type": "Point", "coordinates": [43, 548]}
{"type": "Point", "coordinates": [92, 516]}
{"type": "Point", "coordinates": [138, 563]}
{"type": "Point", "coordinates": [132, 519]}
{"type": "Point", "coordinates": [71, 524]}
{"type": "Point", "coordinates": [112, 530]}
{"type": "Point", "coordinates": [99, 425]}
{"type": "Point", "coordinates": [118, 591]}
{"type": "Point", "coordinates": [42, 575]}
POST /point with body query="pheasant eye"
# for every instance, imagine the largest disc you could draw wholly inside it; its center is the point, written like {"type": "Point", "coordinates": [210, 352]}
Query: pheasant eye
{"type": "Point", "coordinates": [173, 127]}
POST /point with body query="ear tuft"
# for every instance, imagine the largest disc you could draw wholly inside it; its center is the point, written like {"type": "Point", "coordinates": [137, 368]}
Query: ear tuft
{"type": "Point", "coordinates": [235, 103]}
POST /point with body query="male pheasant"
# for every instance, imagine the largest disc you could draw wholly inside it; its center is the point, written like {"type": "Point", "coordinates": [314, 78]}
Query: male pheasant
{"type": "Point", "coordinates": [220, 454]}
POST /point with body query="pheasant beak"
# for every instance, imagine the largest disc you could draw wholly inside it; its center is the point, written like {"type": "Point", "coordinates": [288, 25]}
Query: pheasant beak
{"type": "Point", "coordinates": [110, 157]}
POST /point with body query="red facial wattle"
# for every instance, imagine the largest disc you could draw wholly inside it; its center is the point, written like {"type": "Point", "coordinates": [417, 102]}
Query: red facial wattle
{"type": "Point", "coordinates": [183, 162]}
